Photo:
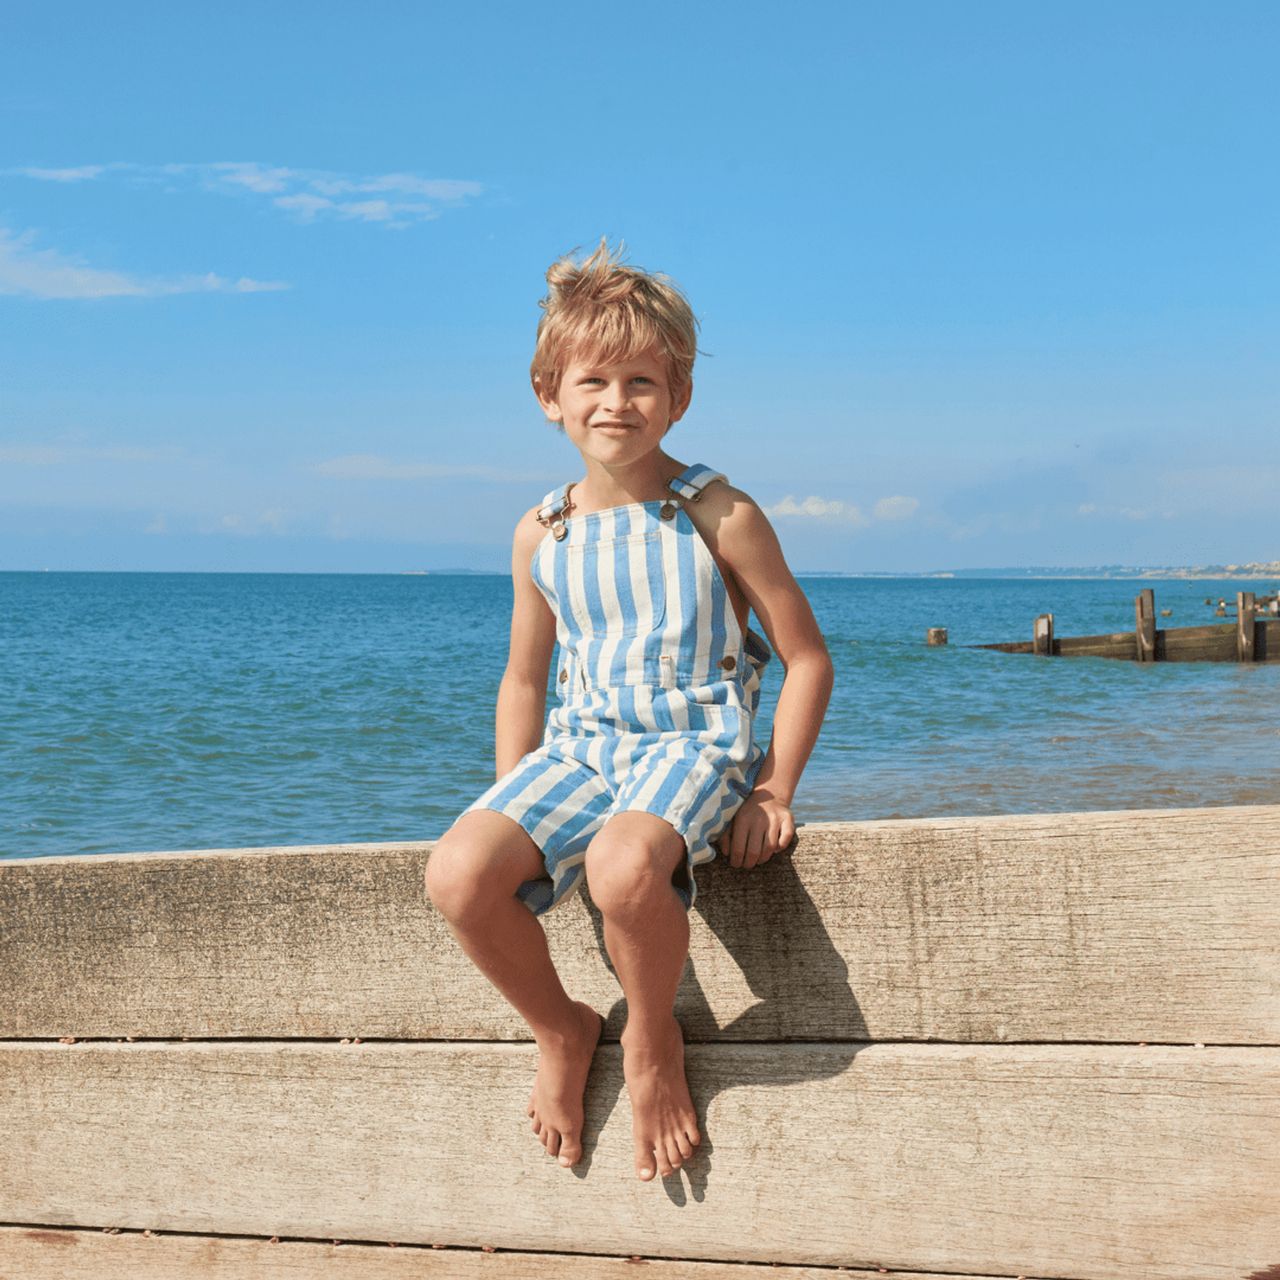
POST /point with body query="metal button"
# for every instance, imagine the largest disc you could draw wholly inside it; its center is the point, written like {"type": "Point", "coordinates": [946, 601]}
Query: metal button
{"type": "Point", "coordinates": [564, 675]}
{"type": "Point", "coordinates": [728, 662]}
{"type": "Point", "coordinates": [667, 510]}
{"type": "Point", "coordinates": [558, 530]}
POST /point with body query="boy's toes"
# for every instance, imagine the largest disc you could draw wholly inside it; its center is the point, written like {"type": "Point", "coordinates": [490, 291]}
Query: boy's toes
{"type": "Point", "coordinates": [683, 1146]}
{"type": "Point", "coordinates": [674, 1157]}
{"type": "Point", "coordinates": [645, 1163]}
{"type": "Point", "coordinates": [570, 1149]}
{"type": "Point", "coordinates": [551, 1140]}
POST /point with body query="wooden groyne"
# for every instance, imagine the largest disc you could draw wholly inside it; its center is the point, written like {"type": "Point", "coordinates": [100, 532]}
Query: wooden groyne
{"type": "Point", "coordinates": [1037, 1045]}
{"type": "Point", "coordinates": [1250, 638]}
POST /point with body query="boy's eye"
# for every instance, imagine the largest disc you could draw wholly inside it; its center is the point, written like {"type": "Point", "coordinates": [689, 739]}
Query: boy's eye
{"type": "Point", "coordinates": [639, 377]}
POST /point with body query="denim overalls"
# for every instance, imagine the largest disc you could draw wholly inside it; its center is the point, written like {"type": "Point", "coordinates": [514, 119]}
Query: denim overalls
{"type": "Point", "coordinates": [658, 688]}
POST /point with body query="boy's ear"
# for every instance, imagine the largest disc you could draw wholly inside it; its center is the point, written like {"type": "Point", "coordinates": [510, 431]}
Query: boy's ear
{"type": "Point", "coordinates": [679, 406]}
{"type": "Point", "coordinates": [550, 404]}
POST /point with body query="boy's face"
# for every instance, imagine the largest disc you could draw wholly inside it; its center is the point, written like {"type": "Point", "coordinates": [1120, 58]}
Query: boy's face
{"type": "Point", "coordinates": [616, 412]}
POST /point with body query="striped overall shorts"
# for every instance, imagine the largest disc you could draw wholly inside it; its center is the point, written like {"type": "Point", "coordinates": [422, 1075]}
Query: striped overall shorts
{"type": "Point", "coordinates": [658, 689]}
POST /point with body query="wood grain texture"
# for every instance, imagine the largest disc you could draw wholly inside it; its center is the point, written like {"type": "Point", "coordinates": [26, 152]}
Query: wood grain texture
{"type": "Point", "coordinates": [28, 1253]}
{"type": "Point", "coordinates": [1144, 635]}
{"type": "Point", "coordinates": [1142, 925]}
{"type": "Point", "coordinates": [1119, 1163]}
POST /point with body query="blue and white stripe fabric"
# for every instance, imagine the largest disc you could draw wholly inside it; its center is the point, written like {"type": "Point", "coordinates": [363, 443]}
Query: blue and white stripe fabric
{"type": "Point", "coordinates": [658, 688]}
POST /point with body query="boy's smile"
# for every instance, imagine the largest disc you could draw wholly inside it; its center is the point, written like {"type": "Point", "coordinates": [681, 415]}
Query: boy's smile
{"type": "Point", "coordinates": [616, 413]}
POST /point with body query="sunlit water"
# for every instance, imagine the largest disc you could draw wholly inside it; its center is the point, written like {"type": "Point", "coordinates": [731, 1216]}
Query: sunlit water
{"type": "Point", "coordinates": [187, 711]}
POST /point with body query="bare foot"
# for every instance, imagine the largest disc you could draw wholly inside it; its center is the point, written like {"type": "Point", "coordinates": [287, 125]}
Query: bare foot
{"type": "Point", "coordinates": [663, 1124]}
{"type": "Point", "coordinates": [556, 1101]}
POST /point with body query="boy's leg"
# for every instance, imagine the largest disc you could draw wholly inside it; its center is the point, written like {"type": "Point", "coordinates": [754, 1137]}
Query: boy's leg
{"type": "Point", "coordinates": [472, 876]}
{"type": "Point", "coordinates": [646, 930]}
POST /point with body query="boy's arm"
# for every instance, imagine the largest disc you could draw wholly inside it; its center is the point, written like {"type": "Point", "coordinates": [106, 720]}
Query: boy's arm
{"type": "Point", "coordinates": [522, 694]}
{"type": "Point", "coordinates": [746, 541]}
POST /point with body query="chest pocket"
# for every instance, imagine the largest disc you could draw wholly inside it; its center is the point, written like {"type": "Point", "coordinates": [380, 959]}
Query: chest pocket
{"type": "Point", "coordinates": [618, 585]}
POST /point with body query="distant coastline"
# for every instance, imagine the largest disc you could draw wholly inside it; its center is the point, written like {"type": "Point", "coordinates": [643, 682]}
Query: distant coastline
{"type": "Point", "coordinates": [1246, 572]}
{"type": "Point", "coordinates": [1249, 572]}
{"type": "Point", "coordinates": [1252, 572]}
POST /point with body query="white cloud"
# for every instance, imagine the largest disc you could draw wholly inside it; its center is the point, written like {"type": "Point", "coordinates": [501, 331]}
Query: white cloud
{"type": "Point", "coordinates": [82, 174]}
{"type": "Point", "coordinates": [256, 177]}
{"type": "Point", "coordinates": [372, 466]}
{"type": "Point", "coordinates": [1125, 513]}
{"type": "Point", "coordinates": [26, 271]}
{"type": "Point", "coordinates": [819, 508]}
{"type": "Point", "coordinates": [398, 199]}
{"type": "Point", "coordinates": [37, 455]}
{"type": "Point", "coordinates": [895, 508]}
{"type": "Point", "coordinates": [305, 206]}
{"type": "Point", "coordinates": [272, 520]}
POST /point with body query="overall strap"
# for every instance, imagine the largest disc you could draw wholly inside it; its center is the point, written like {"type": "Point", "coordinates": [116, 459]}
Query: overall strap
{"type": "Point", "coordinates": [554, 502]}
{"type": "Point", "coordinates": [692, 480]}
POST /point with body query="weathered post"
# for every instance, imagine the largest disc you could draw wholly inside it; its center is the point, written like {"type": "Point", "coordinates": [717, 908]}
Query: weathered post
{"type": "Point", "coordinates": [1042, 635]}
{"type": "Point", "coordinates": [1144, 606]}
{"type": "Point", "coordinates": [936, 635]}
{"type": "Point", "coordinates": [1245, 623]}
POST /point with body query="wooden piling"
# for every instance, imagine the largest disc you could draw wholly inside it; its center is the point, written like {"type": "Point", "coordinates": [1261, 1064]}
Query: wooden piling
{"type": "Point", "coordinates": [1144, 604]}
{"type": "Point", "coordinates": [1042, 635]}
{"type": "Point", "coordinates": [1245, 626]}
{"type": "Point", "coordinates": [936, 636]}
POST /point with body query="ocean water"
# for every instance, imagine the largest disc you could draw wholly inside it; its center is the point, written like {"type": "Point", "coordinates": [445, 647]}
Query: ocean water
{"type": "Point", "coordinates": [150, 711]}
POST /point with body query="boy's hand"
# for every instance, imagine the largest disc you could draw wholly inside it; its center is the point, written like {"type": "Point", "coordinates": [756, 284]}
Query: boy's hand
{"type": "Point", "coordinates": [762, 826]}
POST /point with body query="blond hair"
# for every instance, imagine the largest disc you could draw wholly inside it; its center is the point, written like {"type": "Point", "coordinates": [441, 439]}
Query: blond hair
{"type": "Point", "coordinates": [602, 312]}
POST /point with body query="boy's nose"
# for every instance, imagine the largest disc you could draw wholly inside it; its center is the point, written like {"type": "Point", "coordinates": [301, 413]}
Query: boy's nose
{"type": "Point", "coordinates": [616, 399]}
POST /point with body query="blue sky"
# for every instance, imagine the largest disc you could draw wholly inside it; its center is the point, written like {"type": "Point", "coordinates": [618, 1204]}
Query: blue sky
{"type": "Point", "coordinates": [980, 285]}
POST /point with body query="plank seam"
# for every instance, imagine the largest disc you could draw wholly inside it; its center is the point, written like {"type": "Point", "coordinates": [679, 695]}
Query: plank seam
{"type": "Point", "coordinates": [797, 1044]}
{"type": "Point", "coordinates": [849, 1269]}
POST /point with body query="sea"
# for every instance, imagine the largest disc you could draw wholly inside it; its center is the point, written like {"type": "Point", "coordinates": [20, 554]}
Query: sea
{"type": "Point", "coordinates": [184, 711]}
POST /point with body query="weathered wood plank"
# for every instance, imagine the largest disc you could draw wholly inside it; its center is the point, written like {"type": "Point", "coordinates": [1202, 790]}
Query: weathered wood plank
{"type": "Point", "coordinates": [1114, 645]}
{"type": "Point", "coordinates": [73, 1254]}
{"type": "Point", "coordinates": [1245, 622]}
{"type": "Point", "coordinates": [1266, 639]}
{"type": "Point", "coordinates": [1042, 635]}
{"type": "Point", "coordinates": [1122, 1163]}
{"type": "Point", "coordinates": [1154, 925]}
{"type": "Point", "coordinates": [1144, 606]}
{"type": "Point", "coordinates": [1212, 642]}
{"type": "Point", "coordinates": [1200, 644]}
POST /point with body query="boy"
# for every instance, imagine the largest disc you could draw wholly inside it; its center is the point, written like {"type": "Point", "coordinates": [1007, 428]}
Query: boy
{"type": "Point", "coordinates": [649, 757]}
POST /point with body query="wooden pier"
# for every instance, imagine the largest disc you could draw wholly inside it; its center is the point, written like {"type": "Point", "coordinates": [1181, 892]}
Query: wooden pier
{"type": "Point", "coordinates": [1250, 638]}
{"type": "Point", "coordinates": [1042, 1045]}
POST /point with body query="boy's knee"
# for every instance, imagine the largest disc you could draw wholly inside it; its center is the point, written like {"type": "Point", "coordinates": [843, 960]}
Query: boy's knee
{"type": "Point", "coordinates": [455, 880]}
{"type": "Point", "coordinates": [626, 875]}
{"type": "Point", "coordinates": [472, 865]}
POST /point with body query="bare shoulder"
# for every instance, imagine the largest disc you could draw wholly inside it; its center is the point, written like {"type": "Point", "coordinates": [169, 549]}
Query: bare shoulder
{"type": "Point", "coordinates": [745, 540]}
{"type": "Point", "coordinates": [528, 532]}
{"type": "Point", "coordinates": [731, 519]}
